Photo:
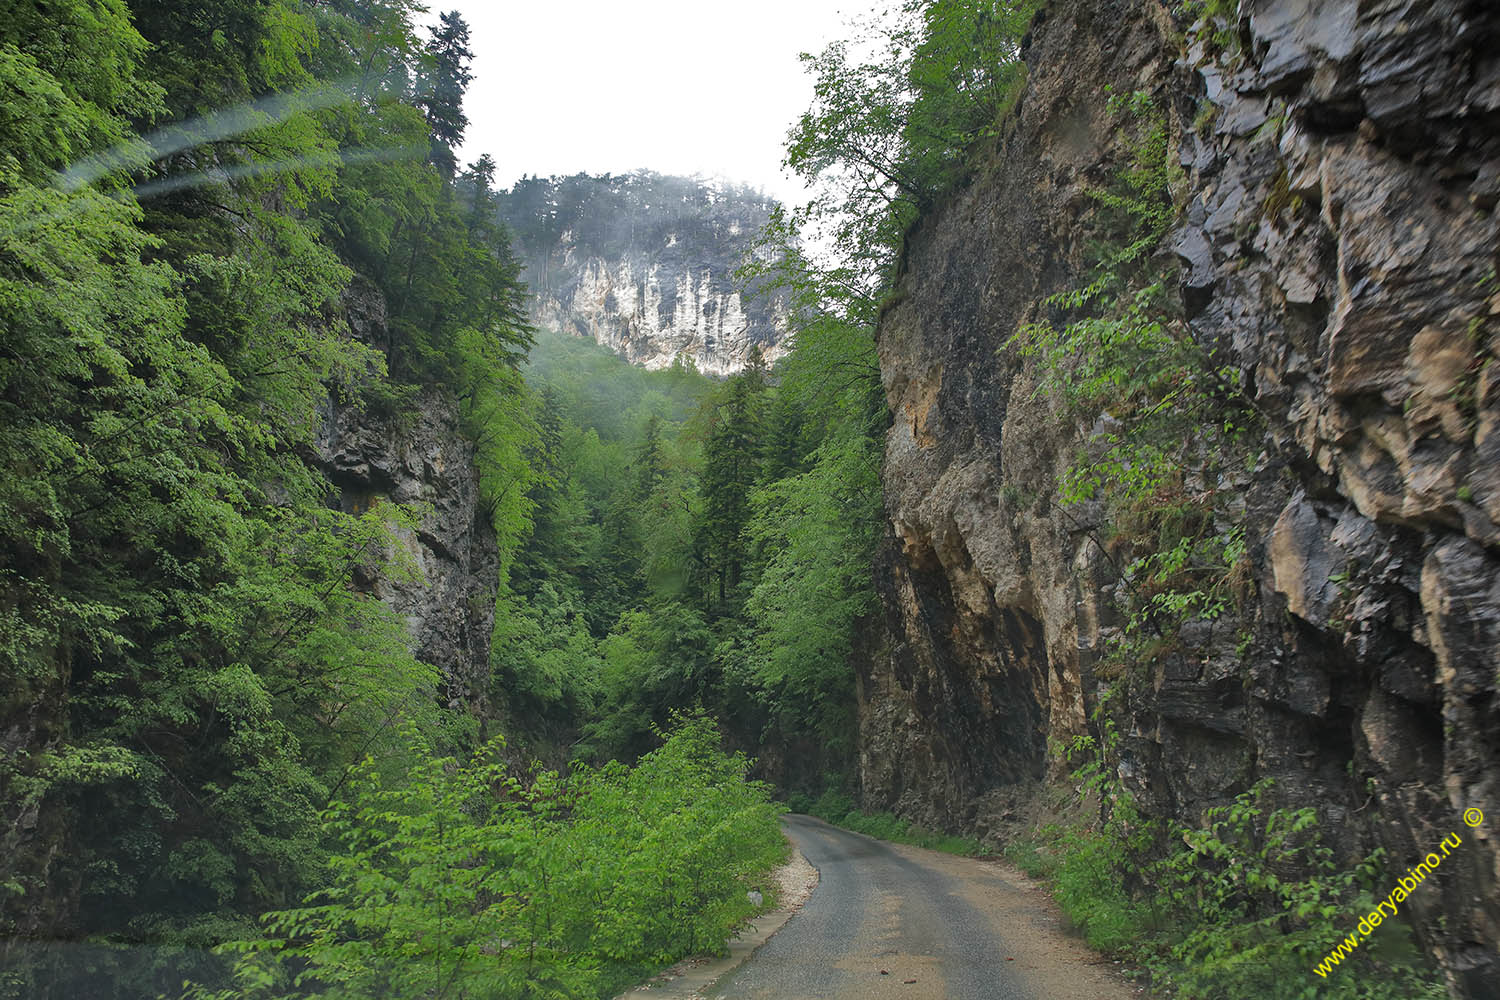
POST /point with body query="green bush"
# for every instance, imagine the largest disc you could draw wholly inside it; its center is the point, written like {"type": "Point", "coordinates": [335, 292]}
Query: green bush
{"type": "Point", "coordinates": [463, 880]}
{"type": "Point", "coordinates": [1244, 904]}
{"type": "Point", "coordinates": [838, 808]}
{"type": "Point", "coordinates": [1090, 890]}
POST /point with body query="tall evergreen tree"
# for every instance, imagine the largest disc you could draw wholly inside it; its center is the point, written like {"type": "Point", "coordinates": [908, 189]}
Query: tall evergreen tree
{"type": "Point", "coordinates": [446, 79]}
{"type": "Point", "coordinates": [650, 464]}
{"type": "Point", "coordinates": [730, 466]}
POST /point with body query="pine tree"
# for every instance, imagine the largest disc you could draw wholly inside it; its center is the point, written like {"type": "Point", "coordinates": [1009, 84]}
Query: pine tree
{"type": "Point", "coordinates": [446, 78]}
{"type": "Point", "coordinates": [729, 470]}
{"type": "Point", "coordinates": [650, 464]}
{"type": "Point", "coordinates": [478, 181]}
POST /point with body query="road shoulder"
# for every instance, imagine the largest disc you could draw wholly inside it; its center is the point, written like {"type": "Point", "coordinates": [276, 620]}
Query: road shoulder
{"type": "Point", "coordinates": [692, 977]}
{"type": "Point", "coordinates": [1046, 952]}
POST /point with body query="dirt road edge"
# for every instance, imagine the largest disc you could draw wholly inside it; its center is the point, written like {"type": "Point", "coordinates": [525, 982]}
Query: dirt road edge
{"type": "Point", "coordinates": [693, 977]}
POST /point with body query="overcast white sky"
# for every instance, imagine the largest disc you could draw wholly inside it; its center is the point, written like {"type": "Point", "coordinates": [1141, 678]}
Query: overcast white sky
{"type": "Point", "coordinates": [678, 86]}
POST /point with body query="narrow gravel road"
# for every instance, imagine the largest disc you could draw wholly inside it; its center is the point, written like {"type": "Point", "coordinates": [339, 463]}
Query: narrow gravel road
{"type": "Point", "coordinates": [893, 921]}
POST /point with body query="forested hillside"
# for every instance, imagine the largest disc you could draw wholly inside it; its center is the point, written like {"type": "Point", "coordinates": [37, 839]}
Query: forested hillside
{"type": "Point", "coordinates": [243, 283]}
{"type": "Point", "coordinates": [701, 544]}
{"type": "Point", "coordinates": [192, 668]}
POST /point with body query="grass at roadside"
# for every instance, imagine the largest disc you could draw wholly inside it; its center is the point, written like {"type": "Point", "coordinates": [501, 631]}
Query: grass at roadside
{"type": "Point", "coordinates": [839, 809]}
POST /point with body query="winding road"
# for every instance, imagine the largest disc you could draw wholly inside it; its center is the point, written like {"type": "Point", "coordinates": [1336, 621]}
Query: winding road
{"type": "Point", "coordinates": [888, 920]}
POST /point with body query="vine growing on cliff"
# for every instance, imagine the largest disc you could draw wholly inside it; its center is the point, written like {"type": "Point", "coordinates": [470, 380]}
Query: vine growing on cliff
{"type": "Point", "coordinates": [1168, 424]}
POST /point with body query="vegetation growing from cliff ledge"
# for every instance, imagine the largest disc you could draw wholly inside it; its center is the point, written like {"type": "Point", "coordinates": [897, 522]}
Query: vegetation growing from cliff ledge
{"type": "Point", "coordinates": [1243, 904]}
{"type": "Point", "coordinates": [900, 113]}
{"type": "Point", "coordinates": [1169, 423]}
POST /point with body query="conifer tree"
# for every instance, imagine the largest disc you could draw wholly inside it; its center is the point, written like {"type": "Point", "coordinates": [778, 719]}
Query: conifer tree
{"type": "Point", "coordinates": [446, 80]}
{"type": "Point", "coordinates": [729, 471]}
{"type": "Point", "coordinates": [650, 465]}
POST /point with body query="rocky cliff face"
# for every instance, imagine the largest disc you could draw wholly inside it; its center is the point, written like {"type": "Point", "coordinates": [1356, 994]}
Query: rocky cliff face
{"type": "Point", "coordinates": [1341, 165]}
{"type": "Point", "coordinates": [644, 265]}
{"type": "Point", "coordinates": [421, 458]}
{"type": "Point", "coordinates": [652, 314]}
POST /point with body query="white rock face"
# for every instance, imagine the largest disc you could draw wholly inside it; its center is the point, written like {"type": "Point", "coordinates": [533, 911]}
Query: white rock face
{"type": "Point", "coordinates": [644, 265]}
{"type": "Point", "coordinates": [627, 309]}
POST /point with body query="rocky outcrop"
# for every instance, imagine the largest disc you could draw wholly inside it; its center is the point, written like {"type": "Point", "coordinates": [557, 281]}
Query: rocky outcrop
{"type": "Point", "coordinates": [420, 457]}
{"type": "Point", "coordinates": [652, 314]}
{"type": "Point", "coordinates": [1340, 164]}
{"type": "Point", "coordinates": [644, 264]}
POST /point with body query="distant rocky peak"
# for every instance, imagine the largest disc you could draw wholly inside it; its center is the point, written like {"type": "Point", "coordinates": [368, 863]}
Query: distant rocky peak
{"type": "Point", "coordinates": [643, 264]}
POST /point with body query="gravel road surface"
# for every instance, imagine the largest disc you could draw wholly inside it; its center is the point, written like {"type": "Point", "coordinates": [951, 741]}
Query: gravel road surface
{"type": "Point", "coordinates": [888, 920]}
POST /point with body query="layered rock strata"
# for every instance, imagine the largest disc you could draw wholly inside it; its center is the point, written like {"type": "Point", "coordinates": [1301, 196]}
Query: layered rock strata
{"type": "Point", "coordinates": [1340, 166]}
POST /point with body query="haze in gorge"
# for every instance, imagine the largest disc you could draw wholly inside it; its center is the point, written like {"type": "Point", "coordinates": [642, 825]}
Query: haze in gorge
{"type": "Point", "coordinates": [961, 499]}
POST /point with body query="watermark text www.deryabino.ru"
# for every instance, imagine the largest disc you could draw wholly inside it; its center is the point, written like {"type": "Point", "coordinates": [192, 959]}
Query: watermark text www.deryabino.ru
{"type": "Point", "coordinates": [1404, 886]}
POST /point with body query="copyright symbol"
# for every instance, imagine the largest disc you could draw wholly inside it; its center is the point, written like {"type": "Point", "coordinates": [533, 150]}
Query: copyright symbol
{"type": "Point", "coordinates": [1473, 817]}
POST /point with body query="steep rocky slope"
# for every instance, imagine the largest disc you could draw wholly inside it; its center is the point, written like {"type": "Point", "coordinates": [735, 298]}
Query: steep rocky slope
{"type": "Point", "coordinates": [644, 263]}
{"type": "Point", "coordinates": [1340, 167]}
{"type": "Point", "coordinates": [421, 457]}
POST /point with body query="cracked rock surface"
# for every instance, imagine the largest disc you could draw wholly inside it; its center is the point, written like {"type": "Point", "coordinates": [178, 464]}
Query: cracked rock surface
{"type": "Point", "coordinates": [422, 458]}
{"type": "Point", "coordinates": [1341, 166]}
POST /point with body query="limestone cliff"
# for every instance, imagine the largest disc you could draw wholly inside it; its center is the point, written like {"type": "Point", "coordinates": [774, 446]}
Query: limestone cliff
{"type": "Point", "coordinates": [421, 457]}
{"type": "Point", "coordinates": [1342, 164]}
{"type": "Point", "coordinates": [644, 264]}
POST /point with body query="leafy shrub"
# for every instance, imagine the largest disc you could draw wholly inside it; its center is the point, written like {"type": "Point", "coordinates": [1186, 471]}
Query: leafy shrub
{"type": "Point", "coordinates": [1245, 904]}
{"type": "Point", "coordinates": [838, 808]}
{"type": "Point", "coordinates": [463, 880]}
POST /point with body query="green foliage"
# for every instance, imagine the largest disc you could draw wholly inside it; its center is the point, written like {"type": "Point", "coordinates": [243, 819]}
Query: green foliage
{"type": "Point", "coordinates": [191, 661]}
{"type": "Point", "coordinates": [462, 879]}
{"type": "Point", "coordinates": [902, 112]}
{"type": "Point", "coordinates": [730, 469]}
{"type": "Point", "coordinates": [655, 658]}
{"type": "Point", "coordinates": [444, 78]}
{"type": "Point", "coordinates": [898, 113]}
{"type": "Point", "coordinates": [818, 532]}
{"type": "Point", "coordinates": [612, 505]}
{"type": "Point", "coordinates": [1243, 904]}
{"type": "Point", "coordinates": [709, 549]}
{"type": "Point", "coordinates": [73, 85]}
{"type": "Point", "coordinates": [1170, 421]}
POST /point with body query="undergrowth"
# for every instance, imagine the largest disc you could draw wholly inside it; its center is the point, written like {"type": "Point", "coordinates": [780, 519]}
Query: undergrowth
{"type": "Point", "coordinates": [1243, 904]}
{"type": "Point", "coordinates": [461, 879]}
